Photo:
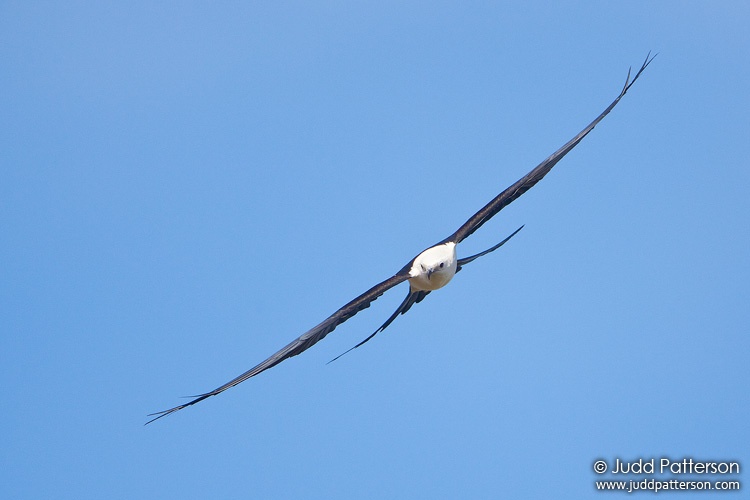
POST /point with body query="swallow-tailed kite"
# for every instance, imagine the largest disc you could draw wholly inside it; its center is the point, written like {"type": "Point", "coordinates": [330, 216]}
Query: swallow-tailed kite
{"type": "Point", "coordinates": [430, 270]}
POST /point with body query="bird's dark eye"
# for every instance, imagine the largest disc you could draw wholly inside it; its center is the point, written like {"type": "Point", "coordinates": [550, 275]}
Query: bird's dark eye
{"type": "Point", "coordinates": [442, 264]}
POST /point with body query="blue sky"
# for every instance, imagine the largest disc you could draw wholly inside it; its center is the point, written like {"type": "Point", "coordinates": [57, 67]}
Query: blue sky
{"type": "Point", "coordinates": [188, 187]}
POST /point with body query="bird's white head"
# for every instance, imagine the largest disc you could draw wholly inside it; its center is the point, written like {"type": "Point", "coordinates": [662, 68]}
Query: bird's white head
{"type": "Point", "coordinates": [434, 268]}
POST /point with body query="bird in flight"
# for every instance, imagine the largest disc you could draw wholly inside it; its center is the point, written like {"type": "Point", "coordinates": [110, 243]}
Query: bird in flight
{"type": "Point", "coordinates": [430, 270]}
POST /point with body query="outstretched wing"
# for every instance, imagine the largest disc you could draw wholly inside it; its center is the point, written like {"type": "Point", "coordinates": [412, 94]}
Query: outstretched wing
{"type": "Point", "coordinates": [527, 182]}
{"type": "Point", "coordinates": [304, 342]}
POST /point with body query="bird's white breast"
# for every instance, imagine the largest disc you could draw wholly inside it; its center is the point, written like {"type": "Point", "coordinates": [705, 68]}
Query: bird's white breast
{"type": "Point", "coordinates": [433, 268]}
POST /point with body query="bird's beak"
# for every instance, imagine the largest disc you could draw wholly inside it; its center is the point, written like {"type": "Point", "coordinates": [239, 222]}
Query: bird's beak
{"type": "Point", "coordinates": [429, 273]}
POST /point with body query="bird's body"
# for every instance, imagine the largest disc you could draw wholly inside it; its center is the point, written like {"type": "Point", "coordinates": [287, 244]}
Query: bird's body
{"type": "Point", "coordinates": [428, 271]}
{"type": "Point", "coordinates": [433, 268]}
